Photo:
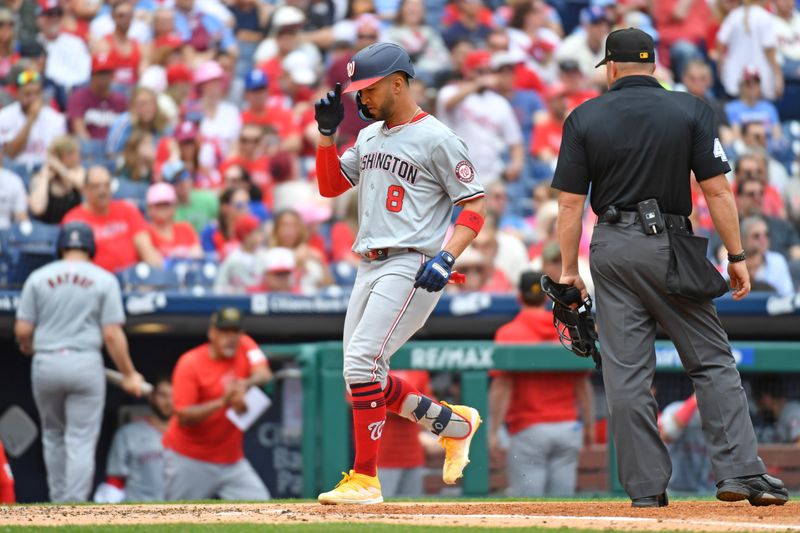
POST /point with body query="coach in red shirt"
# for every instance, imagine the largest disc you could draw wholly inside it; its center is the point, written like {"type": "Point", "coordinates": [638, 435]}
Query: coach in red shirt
{"type": "Point", "coordinates": [120, 231]}
{"type": "Point", "coordinates": [205, 453]}
{"type": "Point", "coordinates": [540, 409]}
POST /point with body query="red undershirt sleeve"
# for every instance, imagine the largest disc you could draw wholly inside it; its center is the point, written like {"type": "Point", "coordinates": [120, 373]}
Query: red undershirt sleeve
{"type": "Point", "coordinates": [330, 178]}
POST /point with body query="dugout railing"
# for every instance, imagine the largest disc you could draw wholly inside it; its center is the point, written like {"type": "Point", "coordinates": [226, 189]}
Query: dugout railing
{"type": "Point", "coordinates": [326, 440]}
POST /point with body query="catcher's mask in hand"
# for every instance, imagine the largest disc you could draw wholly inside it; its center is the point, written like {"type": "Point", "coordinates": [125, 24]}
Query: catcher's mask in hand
{"type": "Point", "coordinates": [573, 319]}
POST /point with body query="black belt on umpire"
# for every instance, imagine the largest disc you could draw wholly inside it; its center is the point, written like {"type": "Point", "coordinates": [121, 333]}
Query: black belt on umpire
{"type": "Point", "coordinates": [379, 254]}
{"type": "Point", "coordinates": [616, 216]}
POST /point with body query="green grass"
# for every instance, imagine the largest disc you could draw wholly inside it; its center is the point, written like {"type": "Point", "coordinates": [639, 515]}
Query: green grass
{"type": "Point", "coordinates": [288, 528]}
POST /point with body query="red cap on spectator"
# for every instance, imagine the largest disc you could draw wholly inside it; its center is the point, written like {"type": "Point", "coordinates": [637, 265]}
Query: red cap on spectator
{"type": "Point", "coordinates": [750, 73]}
{"type": "Point", "coordinates": [103, 63]}
{"type": "Point", "coordinates": [476, 59]}
{"type": "Point", "coordinates": [245, 225]}
{"type": "Point", "coordinates": [555, 90]}
{"type": "Point", "coordinates": [179, 73]}
{"type": "Point", "coordinates": [186, 131]}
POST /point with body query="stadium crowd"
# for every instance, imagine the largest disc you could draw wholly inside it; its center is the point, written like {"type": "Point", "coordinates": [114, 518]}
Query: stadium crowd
{"type": "Point", "coordinates": [183, 133]}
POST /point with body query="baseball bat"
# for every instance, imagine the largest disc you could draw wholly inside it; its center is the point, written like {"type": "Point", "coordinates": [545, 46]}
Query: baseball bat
{"type": "Point", "coordinates": [115, 377]}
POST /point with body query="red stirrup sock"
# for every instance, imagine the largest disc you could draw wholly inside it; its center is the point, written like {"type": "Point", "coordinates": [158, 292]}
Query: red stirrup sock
{"type": "Point", "coordinates": [369, 416]}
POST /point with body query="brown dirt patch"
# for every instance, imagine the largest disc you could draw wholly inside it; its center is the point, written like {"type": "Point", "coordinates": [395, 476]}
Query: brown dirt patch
{"type": "Point", "coordinates": [681, 515]}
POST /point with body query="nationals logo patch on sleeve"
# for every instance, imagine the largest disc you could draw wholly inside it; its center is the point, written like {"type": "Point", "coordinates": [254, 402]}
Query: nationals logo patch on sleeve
{"type": "Point", "coordinates": [465, 172]}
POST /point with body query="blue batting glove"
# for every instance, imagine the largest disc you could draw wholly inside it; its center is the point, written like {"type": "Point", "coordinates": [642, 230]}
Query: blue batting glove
{"type": "Point", "coordinates": [434, 273]}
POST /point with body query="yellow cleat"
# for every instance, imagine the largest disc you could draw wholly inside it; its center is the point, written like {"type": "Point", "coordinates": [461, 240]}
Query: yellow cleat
{"type": "Point", "coordinates": [353, 489]}
{"type": "Point", "coordinates": [456, 451]}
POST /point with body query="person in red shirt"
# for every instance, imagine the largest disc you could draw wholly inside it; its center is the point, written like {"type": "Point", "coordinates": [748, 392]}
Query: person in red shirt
{"type": "Point", "coordinates": [539, 408]}
{"type": "Point", "coordinates": [176, 240]}
{"type": "Point", "coordinates": [204, 453]}
{"type": "Point", "coordinates": [261, 112]}
{"type": "Point", "coordinates": [7, 495]}
{"type": "Point", "coordinates": [547, 133]}
{"type": "Point", "coordinates": [401, 457]}
{"type": "Point", "coordinates": [120, 231]}
{"type": "Point", "coordinates": [125, 52]}
{"type": "Point", "coordinates": [481, 274]}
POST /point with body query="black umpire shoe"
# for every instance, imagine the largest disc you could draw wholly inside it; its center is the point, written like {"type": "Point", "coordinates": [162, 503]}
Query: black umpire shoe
{"type": "Point", "coordinates": [758, 490]}
{"type": "Point", "coordinates": [659, 500]}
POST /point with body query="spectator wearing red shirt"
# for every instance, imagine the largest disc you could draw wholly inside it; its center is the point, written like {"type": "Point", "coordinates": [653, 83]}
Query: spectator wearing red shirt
{"type": "Point", "coordinates": [261, 112]}
{"type": "Point", "coordinates": [94, 108]}
{"type": "Point", "coordinates": [576, 84]}
{"type": "Point", "coordinates": [545, 434]}
{"type": "Point", "coordinates": [204, 452]}
{"type": "Point", "coordinates": [175, 240]}
{"type": "Point", "coordinates": [547, 133]}
{"type": "Point", "coordinates": [9, 54]}
{"type": "Point", "coordinates": [251, 156]}
{"type": "Point", "coordinates": [343, 234]}
{"type": "Point", "coordinates": [124, 52]}
{"type": "Point", "coordinates": [120, 231]}
{"type": "Point", "coordinates": [401, 457]}
{"type": "Point", "coordinates": [682, 28]}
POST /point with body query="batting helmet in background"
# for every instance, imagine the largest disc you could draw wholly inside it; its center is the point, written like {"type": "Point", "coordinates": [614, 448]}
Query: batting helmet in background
{"type": "Point", "coordinates": [76, 236]}
{"type": "Point", "coordinates": [374, 63]}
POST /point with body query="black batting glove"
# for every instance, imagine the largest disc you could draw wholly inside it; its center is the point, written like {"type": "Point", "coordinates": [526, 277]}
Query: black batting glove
{"type": "Point", "coordinates": [329, 111]}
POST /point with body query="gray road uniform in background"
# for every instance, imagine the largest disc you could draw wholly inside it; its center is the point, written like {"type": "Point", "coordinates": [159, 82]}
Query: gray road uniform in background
{"type": "Point", "coordinates": [408, 178]}
{"type": "Point", "coordinates": [69, 302]}
{"type": "Point", "coordinates": [138, 456]}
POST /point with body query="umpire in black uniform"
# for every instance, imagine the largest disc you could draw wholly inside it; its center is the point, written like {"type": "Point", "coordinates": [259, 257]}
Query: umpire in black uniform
{"type": "Point", "coordinates": [636, 146]}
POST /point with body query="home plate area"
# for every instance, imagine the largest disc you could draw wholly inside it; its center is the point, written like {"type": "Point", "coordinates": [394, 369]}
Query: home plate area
{"type": "Point", "coordinates": [586, 514]}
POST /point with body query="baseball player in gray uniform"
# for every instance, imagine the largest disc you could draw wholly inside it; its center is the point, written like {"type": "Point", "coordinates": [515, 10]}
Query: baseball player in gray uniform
{"type": "Point", "coordinates": [135, 467]}
{"type": "Point", "coordinates": [410, 170]}
{"type": "Point", "coordinates": [67, 311]}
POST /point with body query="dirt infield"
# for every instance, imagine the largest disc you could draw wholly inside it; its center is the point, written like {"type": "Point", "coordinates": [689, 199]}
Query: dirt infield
{"type": "Point", "coordinates": [680, 515]}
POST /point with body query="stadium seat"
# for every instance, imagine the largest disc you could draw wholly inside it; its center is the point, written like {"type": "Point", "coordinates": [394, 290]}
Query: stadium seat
{"type": "Point", "coordinates": [344, 273]}
{"type": "Point", "coordinates": [134, 191]}
{"type": "Point", "coordinates": [28, 245]}
{"type": "Point", "coordinates": [143, 278]}
{"type": "Point", "coordinates": [200, 275]}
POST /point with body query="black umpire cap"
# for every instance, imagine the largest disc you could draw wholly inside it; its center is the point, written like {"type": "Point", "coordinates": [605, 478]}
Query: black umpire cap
{"type": "Point", "coordinates": [227, 318]}
{"type": "Point", "coordinates": [530, 287]}
{"type": "Point", "coordinates": [629, 45]}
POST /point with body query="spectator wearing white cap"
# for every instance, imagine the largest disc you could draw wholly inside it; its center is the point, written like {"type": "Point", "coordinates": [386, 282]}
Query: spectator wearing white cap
{"type": "Point", "coordinates": [279, 271]}
{"type": "Point", "coordinates": [177, 240]}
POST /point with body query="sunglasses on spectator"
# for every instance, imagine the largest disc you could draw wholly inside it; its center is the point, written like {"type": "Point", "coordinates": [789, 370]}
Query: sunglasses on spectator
{"type": "Point", "coordinates": [162, 204]}
{"type": "Point", "coordinates": [240, 206]}
{"type": "Point", "coordinates": [54, 13]}
{"type": "Point", "coordinates": [474, 268]}
{"type": "Point", "coordinates": [372, 36]}
{"type": "Point", "coordinates": [249, 139]}
{"type": "Point", "coordinates": [759, 235]}
{"type": "Point", "coordinates": [752, 194]}
{"type": "Point", "coordinates": [28, 76]}
{"type": "Point", "coordinates": [6, 23]}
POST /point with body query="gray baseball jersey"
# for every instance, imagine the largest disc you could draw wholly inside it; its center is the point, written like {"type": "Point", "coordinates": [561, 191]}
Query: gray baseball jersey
{"type": "Point", "coordinates": [69, 302]}
{"type": "Point", "coordinates": [409, 177]}
{"type": "Point", "coordinates": [138, 455]}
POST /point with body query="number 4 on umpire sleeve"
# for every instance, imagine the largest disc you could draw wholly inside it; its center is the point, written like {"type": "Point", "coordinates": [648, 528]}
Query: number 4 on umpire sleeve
{"type": "Point", "coordinates": [394, 198]}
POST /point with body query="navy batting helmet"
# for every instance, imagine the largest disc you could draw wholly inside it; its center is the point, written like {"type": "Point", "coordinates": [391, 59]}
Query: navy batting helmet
{"type": "Point", "coordinates": [374, 63]}
{"type": "Point", "coordinates": [76, 236]}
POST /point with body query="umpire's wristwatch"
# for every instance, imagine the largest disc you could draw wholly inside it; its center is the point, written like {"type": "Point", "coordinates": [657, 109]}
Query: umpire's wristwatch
{"type": "Point", "coordinates": [737, 258]}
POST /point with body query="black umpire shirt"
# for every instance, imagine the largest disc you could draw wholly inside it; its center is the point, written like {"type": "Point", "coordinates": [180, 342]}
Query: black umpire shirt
{"type": "Point", "coordinates": [639, 141]}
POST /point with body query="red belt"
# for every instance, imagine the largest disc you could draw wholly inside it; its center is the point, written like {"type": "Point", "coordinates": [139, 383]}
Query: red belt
{"type": "Point", "coordinates": [379, 254]}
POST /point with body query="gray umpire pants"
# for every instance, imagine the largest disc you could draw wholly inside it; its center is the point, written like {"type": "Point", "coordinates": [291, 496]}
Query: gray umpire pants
{"type": "Point", "coordinates": [402, 482]}
{"type": "Point", "coordinates": [70, 391]}
{"type": "Point", "coordinates": [629, 272]}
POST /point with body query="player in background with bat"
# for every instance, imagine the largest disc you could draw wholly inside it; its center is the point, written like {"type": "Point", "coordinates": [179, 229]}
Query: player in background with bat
{"type": "Point", "coordinates": [67, 311]}
{"type": "Point", "coordinates": [135, 464]}
{"type": "Point", "coordinates": [410, 170]}
{"type": "Point", "coordinates": [204, 455]}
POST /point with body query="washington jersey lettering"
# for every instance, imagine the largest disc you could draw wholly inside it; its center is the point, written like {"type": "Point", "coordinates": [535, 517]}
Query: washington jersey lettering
{"type": "Point", "coordinates": [408, 178]}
